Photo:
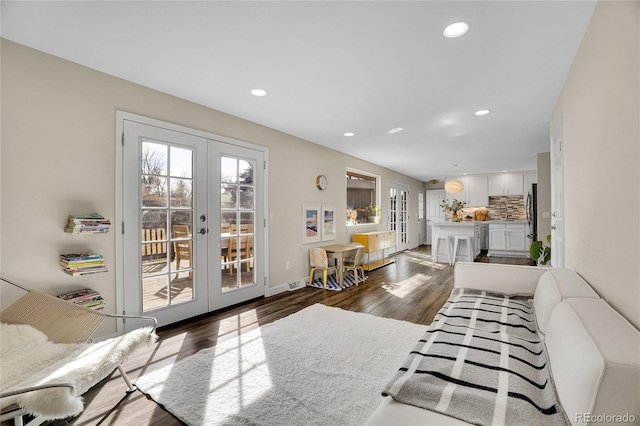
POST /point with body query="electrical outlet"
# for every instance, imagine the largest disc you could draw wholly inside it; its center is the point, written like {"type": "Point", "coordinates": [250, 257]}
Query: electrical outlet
{"type": "Point", "coordinates": [287, 265]}
{"type": "Point", "coordinates": [546, 215]}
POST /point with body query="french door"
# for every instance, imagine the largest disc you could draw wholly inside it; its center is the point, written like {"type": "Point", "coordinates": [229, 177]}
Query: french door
{"type": "Point", "coordinates": [191, 207]}
{"type": "Point", "coordinates": [399, 214]}
{"type": "Point", "coordinates": [237, 197]}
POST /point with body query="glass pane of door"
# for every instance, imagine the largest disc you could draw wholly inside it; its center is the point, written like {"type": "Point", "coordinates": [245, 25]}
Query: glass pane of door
{"type": "Point", "coordinates": [166, 208]}
{"type": "Point", "coordinates": [404, 237]}
{"type": "Point", "coordinates": [237, 222]}
{"type": "Point", "coordinates": [393, 209]}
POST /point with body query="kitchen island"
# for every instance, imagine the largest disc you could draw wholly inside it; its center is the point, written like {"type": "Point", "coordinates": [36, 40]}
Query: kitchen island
{"type": "Point", "coordinates": [452, 229]}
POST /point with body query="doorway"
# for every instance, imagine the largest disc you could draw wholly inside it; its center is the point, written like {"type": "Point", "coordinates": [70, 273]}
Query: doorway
{"type": "Point", "coordinates": [557, 195]}
{"type": "Point", "coordinates": [399, 214]}
{"type": "Point", "coordinates": [190, 206]}
{"type": "Point", "coordinates": [434, 211]}
{"type": "Point", "coordinates": [422, 222]}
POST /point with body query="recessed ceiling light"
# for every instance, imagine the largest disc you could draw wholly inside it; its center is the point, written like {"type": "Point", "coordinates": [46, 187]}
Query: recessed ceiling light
{"type": "Point", "coordinates": [456, 29]}
{"type": "Point", "coordinates": [396, 130]}
{"type": "Point", "coordinates": [259, 92]}
{"type": "Point", "coordinates": [505, 171]}
{"type": "Point", "coordinates": [483, 112]}
{"type": "Point", "coordinates": [349, 134]}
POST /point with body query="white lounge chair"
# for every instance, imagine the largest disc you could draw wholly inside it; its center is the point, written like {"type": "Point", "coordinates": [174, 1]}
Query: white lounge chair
{"type": "Point", "coordinates": [47, 360]}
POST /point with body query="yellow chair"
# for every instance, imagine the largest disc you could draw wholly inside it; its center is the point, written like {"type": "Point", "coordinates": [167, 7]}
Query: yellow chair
{"type": "Point", "coordinates": [355, 264]}
{"type": "Point", "coordinates": [318, 260]}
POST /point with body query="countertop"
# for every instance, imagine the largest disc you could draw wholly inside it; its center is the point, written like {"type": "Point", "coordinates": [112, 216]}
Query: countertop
{"type": "Point", "coordinates": [478, 222]}
{"type": "Point", "coordinates": [516, 222]}
{"type": "Point", "coordinates": [452, 223]}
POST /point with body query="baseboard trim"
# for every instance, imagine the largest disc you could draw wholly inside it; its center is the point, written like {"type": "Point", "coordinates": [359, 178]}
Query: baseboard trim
{"type": "Point", "coordinates": [293, 285]}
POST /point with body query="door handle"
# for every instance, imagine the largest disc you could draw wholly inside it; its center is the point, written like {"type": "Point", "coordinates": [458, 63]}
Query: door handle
{"type": "Point", "coordinates": [203, 231]}
{"type": "Point", "coordinates": [553, 227]}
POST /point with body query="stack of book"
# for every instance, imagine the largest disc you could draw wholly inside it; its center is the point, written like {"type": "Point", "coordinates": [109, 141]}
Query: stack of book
{"type": "Point", "coordinates": [82, 263]}
{"type": "Point", "coordinates": [86, 297]}
{"type": "Point", "coordinates": [92, 223]}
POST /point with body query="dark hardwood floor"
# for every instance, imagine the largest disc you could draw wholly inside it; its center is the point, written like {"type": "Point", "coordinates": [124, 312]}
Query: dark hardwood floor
{"type": "Point", "coordinates": [410, 289]}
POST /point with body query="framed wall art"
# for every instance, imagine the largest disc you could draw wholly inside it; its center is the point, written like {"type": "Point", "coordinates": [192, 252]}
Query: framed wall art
{"type": "Point", "coordinates": [328, 222]}
{"type": "Point", "coordinates": [310, 223]}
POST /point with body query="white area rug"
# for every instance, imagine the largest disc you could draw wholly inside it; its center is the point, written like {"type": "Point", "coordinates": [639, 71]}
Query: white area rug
{"type": "Point", "coordinates": [319, 366]}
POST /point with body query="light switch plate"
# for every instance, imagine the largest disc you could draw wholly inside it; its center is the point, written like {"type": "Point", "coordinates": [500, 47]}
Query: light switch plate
{"type": "Point", "coordinates": [546, 215]}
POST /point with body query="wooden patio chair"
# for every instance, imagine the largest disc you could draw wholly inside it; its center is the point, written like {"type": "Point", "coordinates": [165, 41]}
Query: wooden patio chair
{"type": "Point", "coordinates": [183, 247]}
{"type": "Point", "coordinates": [240, 247]}
{"type": "Point", "coordinates": [67, 365]}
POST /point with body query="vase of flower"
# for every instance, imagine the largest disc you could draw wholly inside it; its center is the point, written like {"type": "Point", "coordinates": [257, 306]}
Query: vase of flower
{"type": "Point", "coordinates": [454, 207]}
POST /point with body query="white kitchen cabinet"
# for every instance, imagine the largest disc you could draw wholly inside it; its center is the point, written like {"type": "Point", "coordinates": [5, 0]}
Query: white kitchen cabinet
{"type": "Point", "coordinates": [516, 237]}
{"type": "Point", "coordinates": [508, 240]}
{"type": "Point", "coordinates": [497, 237]}
{"type": "Point", "coordinates": [506, 184]}
{"type": "Point", "coordinates": [529, 178]}
{"type": "Point", "coordinates": [477, 191]}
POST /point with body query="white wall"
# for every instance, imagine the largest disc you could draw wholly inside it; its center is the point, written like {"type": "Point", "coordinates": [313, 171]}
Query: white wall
{"type": "Point", "coordinates": [58, 158]}
{"type": "Point", "coordinates": [601, 114]}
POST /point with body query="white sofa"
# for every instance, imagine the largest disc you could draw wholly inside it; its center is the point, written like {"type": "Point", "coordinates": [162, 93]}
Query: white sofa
{"type": "Point", "coordinates": [594, 352]}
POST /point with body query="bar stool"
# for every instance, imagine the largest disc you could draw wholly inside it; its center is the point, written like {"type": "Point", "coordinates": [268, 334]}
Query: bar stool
{"type": "Point", "coordinates": [467, 239]}
{"type": "Point", "coordinates": [435, 250]}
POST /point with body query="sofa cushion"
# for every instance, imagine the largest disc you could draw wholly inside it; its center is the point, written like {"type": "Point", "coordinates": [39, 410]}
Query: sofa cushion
{"type": "Point", "coordinates": [553, 287]}
{"type": "Point", "coordinates": [595, 360]}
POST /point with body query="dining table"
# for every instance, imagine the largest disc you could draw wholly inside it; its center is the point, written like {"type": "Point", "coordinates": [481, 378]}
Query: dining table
{"type": "Point", "coordinates": [339, 252]}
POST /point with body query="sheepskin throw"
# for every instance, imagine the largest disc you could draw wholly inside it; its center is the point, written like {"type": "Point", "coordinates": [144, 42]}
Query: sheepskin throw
{"type": "Point", "coordinates": [29, 359]}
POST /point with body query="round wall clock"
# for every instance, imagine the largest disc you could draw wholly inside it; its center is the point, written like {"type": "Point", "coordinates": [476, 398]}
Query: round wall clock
{"type": "Point", "coordinates": [321, 182]}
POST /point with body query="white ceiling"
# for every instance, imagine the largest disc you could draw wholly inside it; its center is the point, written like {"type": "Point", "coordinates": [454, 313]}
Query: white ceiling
{"type": "Point", "coordinates": [336, 67]}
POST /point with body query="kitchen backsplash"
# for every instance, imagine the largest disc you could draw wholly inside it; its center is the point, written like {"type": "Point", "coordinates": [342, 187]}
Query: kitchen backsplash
{"type": "Point", "coordinates": [501, 208]}
{"type": "Point", "coordinates": [514, 208]}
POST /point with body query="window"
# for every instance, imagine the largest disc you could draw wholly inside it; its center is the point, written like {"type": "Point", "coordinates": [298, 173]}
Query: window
{"type": "Point", "coordinates": [363, 204]}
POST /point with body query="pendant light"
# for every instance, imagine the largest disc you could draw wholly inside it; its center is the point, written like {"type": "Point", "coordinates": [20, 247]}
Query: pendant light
{"type": "Point", "coordinates": [454, 186]}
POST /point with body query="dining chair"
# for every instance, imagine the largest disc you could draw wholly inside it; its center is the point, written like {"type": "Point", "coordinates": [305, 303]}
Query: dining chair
{"type": "Point", "coordinates": [225, 232]}
{"type": "Point", "coordinates": [183, 247]}
{"type": "Point", "coordinates": [355, 264]}
{"type": "Point", "coordinates": [240, 247]}
{"type": "Point", "coordinates": [318, 260]}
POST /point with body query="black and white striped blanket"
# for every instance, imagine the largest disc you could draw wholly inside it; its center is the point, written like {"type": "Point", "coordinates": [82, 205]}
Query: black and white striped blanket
{"type": "Point", "coordinates": [481, 361]}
